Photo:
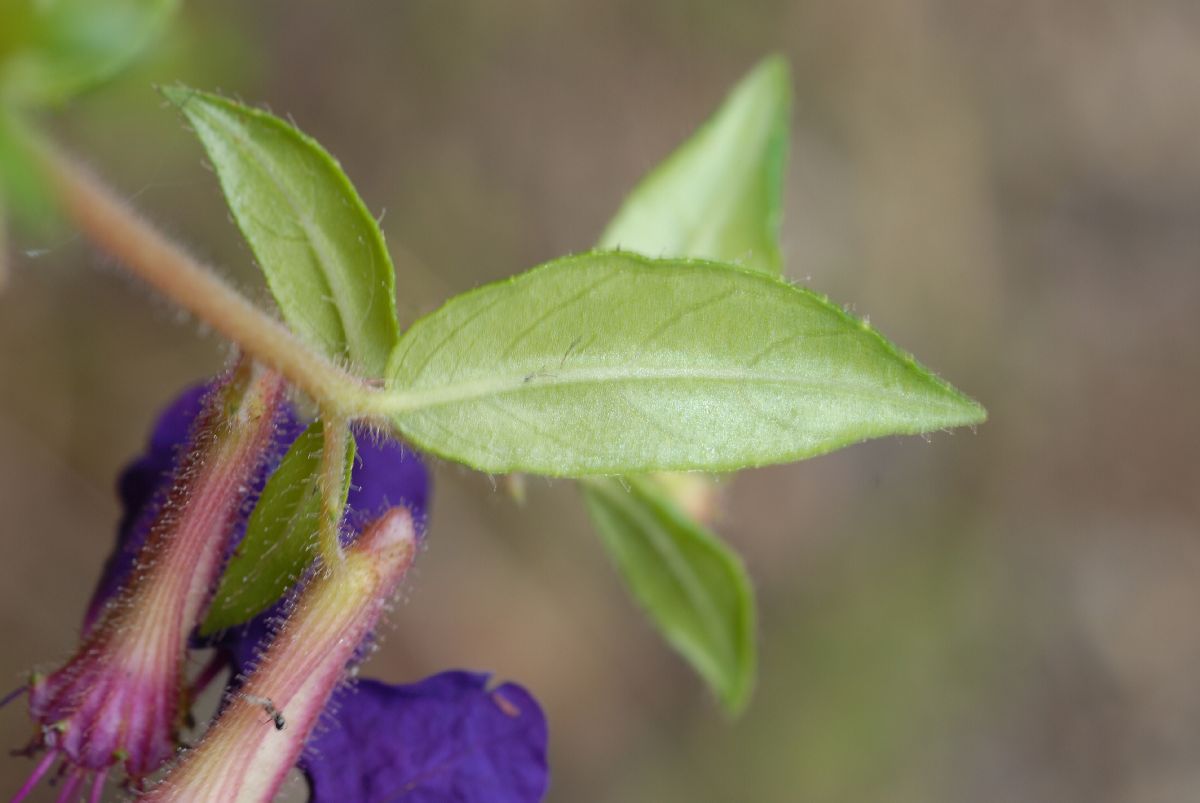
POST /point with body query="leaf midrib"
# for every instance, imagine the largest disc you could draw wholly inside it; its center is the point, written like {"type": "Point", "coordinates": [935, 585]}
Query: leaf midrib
{"type": "Point", "coordinates": [413, 399]}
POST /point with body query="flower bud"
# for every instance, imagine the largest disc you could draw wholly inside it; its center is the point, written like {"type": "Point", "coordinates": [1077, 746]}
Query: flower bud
{"type": "Point", "coordinates": [259, 735]}
{"type": "Point", "coordinates": [121, 698]}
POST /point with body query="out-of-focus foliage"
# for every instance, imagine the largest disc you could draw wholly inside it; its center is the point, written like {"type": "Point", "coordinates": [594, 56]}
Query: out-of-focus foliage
{"type": "Point", "coordinates": [21, 185]}
{"type": "Point", "coordinates": [691, 585]}
{"type": "Point", "coordinates": [53, 49]}
{"type": "Point", "coordinates": [50, 51]}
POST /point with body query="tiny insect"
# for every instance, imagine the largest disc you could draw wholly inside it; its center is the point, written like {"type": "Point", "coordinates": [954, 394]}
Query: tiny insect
{"type": "Point", "coordinates": [274, 713]}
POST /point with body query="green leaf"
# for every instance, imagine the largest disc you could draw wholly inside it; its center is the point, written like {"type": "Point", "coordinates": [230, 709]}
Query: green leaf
{"type": "Point", "coordinates": [719, 196]}
{"type": "Point", "coordinates": [280, 540]}
{"type": "Point", "coordinates": [4, 269]}
{"type": "Point", "coordinates": [23, 187]}
{"type": "Point", "coordinates": [615, 363]}
{"type": "Point", "coordinates": [692, 585]}
{"type": "Point", "coordinates": [53, 49]}
{"type": "Point", "coordinates": [322, 252]}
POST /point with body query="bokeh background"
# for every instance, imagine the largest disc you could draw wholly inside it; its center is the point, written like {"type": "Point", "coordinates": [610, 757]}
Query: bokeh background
{"type": "Point", "coordinates": [1008, 188]}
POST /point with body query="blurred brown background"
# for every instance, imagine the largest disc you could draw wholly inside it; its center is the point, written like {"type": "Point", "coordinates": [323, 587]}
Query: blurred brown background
{"type": "Point", "coordinates": [1010, 189]}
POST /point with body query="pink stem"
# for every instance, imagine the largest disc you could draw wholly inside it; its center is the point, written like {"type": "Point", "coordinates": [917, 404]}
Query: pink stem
{"type": "Point", "coordinates": [98, 787]}
{"type": "Point", "coordinates": [71, 787]}
{"type": "Point", "coordinates": [40, 770]}
{"type": "Point", "coordinates": [244, 756]}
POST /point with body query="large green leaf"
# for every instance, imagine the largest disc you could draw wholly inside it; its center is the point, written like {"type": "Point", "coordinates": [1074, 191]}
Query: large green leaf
{"type": "Point", "coordinates": [615, 363]}
{"type": "Point", "coordinates": [280, 540]}
{"type": "Point", "coordinates": [53, 49]}
{"type": "Point", "coordinates": [718, 196]}
{"type": "Point", "coordinates": [692, 585]}
{"type": "Point", "coordinates": [322, 252]}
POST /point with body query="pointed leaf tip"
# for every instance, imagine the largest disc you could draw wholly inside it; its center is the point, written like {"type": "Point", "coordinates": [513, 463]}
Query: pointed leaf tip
{"type": "Point", "coordinates": [321, 250]}
{"type": "Point", "coordinates": [693, 586]}
{"type": "Point", "coordinates": [720, 194]}
{"type": "Point", "coordinates": [612, 363]}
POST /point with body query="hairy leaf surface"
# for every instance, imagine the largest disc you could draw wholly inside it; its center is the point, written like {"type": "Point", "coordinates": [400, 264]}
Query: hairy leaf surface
{"type": "Point", "coordinates": [615, 363]}
{"type": "Point", "coordinates": [322, 252]}
{"type": "Point", "coordinates": [718, 196]}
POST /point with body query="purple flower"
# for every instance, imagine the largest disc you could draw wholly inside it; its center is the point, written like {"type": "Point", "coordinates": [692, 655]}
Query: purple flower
{"type": "Point", "coordinates": [117, 700]}
{"type": "Point", "coordinates": [447, 738]}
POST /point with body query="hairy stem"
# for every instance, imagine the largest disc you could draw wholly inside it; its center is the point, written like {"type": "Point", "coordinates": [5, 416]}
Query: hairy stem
{"type": "Point", "coordinates": [336, 435]}
{"type": "Point", "coordinates": [259, 734]}
{"type": "Point", "coordinates": [113, 226]}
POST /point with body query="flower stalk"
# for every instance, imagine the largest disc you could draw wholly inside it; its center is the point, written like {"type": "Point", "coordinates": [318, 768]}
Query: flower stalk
{"type": "Point", "coordinates": [336, 434]}
{"type": "Point", "coordinates": [262, 730]}
{"type": "Point", "coordinates": [121, 698]}
{"type": "Point", "coordinates": [146, 252]}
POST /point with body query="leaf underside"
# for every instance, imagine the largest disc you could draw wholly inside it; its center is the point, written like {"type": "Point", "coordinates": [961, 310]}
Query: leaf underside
{"type": "Point", "coordinates": [692, 586]}
{"type": "Point", "coordinates": [611, 363]}
{"type": "Point", "coordinates": [322, 253]}
{"type": "Point", "coordinates": [720, 194]}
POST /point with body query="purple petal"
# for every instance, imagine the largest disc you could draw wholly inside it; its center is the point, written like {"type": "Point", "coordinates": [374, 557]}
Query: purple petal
{"type": "Point", "coordinates": [386, 473]}
{"type": "Point", "coordinates": [446, 739]}
{"type": "Point", "coordinates": [243, 643]}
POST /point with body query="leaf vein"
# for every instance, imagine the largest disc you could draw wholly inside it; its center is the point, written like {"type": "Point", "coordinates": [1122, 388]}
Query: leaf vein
{"type": "Point", "coordinates": [680, 315]}
{"type": "Point", "coordinates": [554, 310]}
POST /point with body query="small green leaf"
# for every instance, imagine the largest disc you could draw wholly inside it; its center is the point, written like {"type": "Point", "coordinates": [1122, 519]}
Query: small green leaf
{"type": "Point", "coordinates": [322, 252]}
{"type": "Point", "coordinates": [53, 49]}
{"type": "Point", "coordinates": [280, 539]}
{"type": "Point", "coordinates": [692, 585]}
{"type": "Point", "coordinates": [615, 363]}
{"type": "Point", "coordinates": [23, 187]}
{"type": "Point", "coordinates": [719, 196]}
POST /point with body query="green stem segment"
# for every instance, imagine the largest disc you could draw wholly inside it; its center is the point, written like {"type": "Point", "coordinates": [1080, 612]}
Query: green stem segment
{"type": "Point", "coordinates": [246, 754]}
{"type": "Point", "coordinates": [336, 434]}
{"type": "Point", "coordinates": [113, 226]}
